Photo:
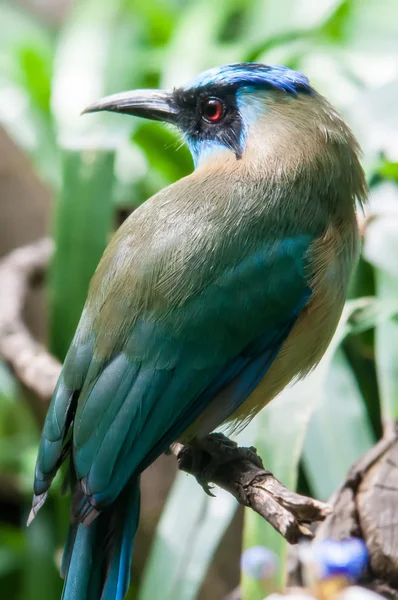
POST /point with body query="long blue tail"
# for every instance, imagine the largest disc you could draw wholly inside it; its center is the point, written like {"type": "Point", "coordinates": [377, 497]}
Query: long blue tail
{"type": "Point", "coordinates": [97, 558]}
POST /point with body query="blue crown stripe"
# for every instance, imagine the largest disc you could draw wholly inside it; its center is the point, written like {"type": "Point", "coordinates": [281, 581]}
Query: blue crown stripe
{"type": "Point", "coordinates": [254, 75]}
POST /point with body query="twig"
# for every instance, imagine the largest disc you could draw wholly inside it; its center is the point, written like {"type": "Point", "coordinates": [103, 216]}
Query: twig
{"type": "Point", "coordinates": [31, 362]}
{"type": "Point", "coordinates": [245, 479]}
{"type": "Point", "coordinates": [258, 489]}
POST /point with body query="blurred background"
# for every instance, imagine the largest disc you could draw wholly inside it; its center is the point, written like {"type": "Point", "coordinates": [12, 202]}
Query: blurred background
{"type": "Point", "coordinates": [78, 178]}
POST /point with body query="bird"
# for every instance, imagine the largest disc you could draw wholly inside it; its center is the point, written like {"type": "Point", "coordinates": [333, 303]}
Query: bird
{"type": "Point", "coordinates": [212, 297]}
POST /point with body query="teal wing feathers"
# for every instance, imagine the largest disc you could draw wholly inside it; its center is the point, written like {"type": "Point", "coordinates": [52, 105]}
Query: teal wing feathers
{"type": "Point", "coordinates": [116, 414]}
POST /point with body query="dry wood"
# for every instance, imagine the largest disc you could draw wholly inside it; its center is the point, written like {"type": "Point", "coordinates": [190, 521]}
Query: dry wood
{"type": "Point", "coordinates": [31, 362]}
{"type": "Point", "coordinates": [253, 486]}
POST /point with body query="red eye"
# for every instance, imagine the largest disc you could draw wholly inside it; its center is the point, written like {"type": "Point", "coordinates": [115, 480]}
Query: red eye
{"type": "Point", "coordinates": [212, 110]}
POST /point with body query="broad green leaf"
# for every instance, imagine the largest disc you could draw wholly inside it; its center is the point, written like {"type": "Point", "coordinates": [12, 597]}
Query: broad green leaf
{"type": "Point", "coordinates": [339, 431]}
{"type": "Point", "coordinates": [367, 312]}
{"type": "Point", "coordinates": [8, 385]}
{"type": "Point", "coordinates": [11, 549]}
{"type": "Point", "coordinates": [164, 149]}
{"type": "Point", "coordinates": [40, 579]}
{"type": "Point", "coordinates": [380, 248]}
{"type": "Point", "coordinates": [83, 224]}
{"type": "Point", "coordinates": [160, 18]}
{"type": "Point", "coordinates": [26, 51]}
{"type": "Point", "coordinates": [388, 170]}
{"type": "Point", "coordinates": [386, 349]}
{"type": "Point", "coordinates": [17, 427]}
{"type": "Point", "coordinates": [187, 537]}
{"type": "Point", "coordinates": [26, 55]}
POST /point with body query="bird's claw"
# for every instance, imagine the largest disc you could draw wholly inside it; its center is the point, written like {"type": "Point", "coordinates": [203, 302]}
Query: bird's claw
{"type": "Point", "coordinates": [206, 487]}
{"type": "Point", "coordinates": [215, 450]}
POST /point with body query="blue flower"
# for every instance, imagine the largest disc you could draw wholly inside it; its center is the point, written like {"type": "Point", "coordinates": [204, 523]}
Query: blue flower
{"type": "Point", "coordinates": [347, 558]}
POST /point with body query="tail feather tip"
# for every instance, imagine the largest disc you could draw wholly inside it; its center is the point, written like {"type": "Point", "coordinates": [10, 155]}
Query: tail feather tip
{"type": "Point", "coordinates": [37, 503]}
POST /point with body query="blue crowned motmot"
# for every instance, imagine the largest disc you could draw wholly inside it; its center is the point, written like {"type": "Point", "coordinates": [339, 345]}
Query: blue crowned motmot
{"type": "Point", "coordinates": [211, 297]}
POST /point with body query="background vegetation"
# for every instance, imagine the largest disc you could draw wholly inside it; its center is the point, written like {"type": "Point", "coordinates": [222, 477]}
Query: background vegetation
{"type": "Point", "coordinates": [100, 167]}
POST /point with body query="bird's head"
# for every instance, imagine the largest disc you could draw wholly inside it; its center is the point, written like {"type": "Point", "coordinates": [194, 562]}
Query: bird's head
{"type": "Point", "coordinates": [269, 116]}
{"type": "Point", "coordinates": [218, 110]}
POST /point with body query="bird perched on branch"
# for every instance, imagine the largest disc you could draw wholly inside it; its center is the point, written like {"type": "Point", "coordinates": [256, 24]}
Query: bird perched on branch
{"type": "Point", "coordinates": [212, 296]}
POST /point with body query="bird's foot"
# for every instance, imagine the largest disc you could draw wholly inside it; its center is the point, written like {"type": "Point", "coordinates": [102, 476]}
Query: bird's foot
{"type": "Point", "coordinates": [240, 472]}
{"type": "Point", "coordinates": [215, 450]}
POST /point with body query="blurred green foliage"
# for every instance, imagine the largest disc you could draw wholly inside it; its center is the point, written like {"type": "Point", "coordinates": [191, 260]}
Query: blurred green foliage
{"type": "Point", "coordinates": [98, 164]}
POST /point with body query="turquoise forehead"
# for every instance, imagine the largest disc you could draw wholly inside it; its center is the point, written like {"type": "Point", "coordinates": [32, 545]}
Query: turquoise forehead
{"type": "Point", "coordinates": [253, 75]}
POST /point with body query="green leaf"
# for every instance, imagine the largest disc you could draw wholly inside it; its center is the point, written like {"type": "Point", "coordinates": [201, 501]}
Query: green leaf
{"type": "Point", "coordinates": [37, 72]}
{"type": "Point", "coordinates": [26, 55]}
{"type": "Point", "coordinates": [8, 385]}
{"type": "Point", "coordinates": [388, 170]}
{"type": "Point", "coordinates": [17, 427]}
{"type": "Point", "coordinates": [386, 349]}
{"type": "Point", "coordinates": [188, 534]}
{"type": "Point", "coordinates": [160, 145]}
{"type": "Point", "coordinates": [26, 51]}
{"type": "Point", "coordinates": [366, 313]}
{"type": "Point", "coordinates": [84, 221]}
{"type": "Point", "coordinates": [380, 249]}
{"type": "Point", "coordinates": [41, 580]}
{"type": "Point", "coordinates": [11, 549]}
{"type": "Point", "coordinates": [339, 431]}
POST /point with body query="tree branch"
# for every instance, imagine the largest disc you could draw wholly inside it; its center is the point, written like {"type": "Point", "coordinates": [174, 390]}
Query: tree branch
{"type": "Point", "coordinates": [246, 480]}
{"type": "Point", "coordinates": [31, 362]}
{"type": "Point", "coordinates": [258, 489]}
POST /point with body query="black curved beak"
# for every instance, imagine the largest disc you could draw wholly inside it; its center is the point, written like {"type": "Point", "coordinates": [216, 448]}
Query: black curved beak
{"type": "Point", "coordinates": [157, 105]}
